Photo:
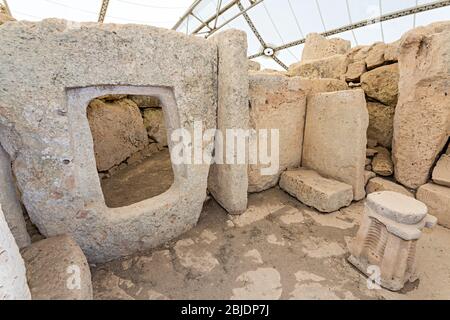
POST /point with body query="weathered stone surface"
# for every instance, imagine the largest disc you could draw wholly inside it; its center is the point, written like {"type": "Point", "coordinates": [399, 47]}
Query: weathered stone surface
{"type": "Point", "coordinates": [57, 270]}
{"type": "Point", "coordinates": [117, 130]}
{"type": "Point", "coordinates": [381, 84]}
{"type": "Point", "coordinates": [47, 131]}
{"type": "Point", "coordinates": [392, 52]}
{"type": "Point", "coordinates": [13, 280]}
{"type": "Point", "coordinates": [155, 124]}
{"type": "Point", "coordinates": [382, 162]}
{"type": "Point", "coordinates": [372, 143]}
{"type": "Point", "coordinates": [380, 184]}
{"type": "Point", "coordinates": [375, 56]}
{"type": "Point", "coordinates": [441, 173]}
{"type": "Point", "coordinates": [437, 199]}
{"type": "Point", "coordinates": [144, 102]}
{"type": "Point", "coordinates": [371, 152]}
{"type": "Point", "coordinates": [319, 47]}
{"type": "Point", "coordinates": [253, 65]}
{"type": "Point", "coordinates": [355, 70]}
{"type": "Point", "coordinates": [9, 200]}
{"type": "Point", "coordinates": [274, 104]}
{"type": "Point", "coordinates": [422, 116]}
{"type": "Point", "coordinates": [381, 123]}
{"type": "Point", "coordinates": [335, 137]}
{"type": "Point", "coordinates": [313, 86]}
{"type": "Point", "coordinates": [228, 183]}
{"type": "Point", "coordinates": [367, 176]}
{"type": "Point", "coordinates": [333, 67]}
{"type": "Point", "coordinates": [5, 18]}
{"type": "Point", "coordinates": [312, 189]}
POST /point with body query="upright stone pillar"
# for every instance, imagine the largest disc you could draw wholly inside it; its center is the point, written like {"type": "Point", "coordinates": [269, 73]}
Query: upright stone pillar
{"type": "Point", "coordinates": [387, 238]}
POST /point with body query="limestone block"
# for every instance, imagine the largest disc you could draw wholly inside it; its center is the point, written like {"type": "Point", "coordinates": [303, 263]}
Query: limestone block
{"type": "Point", "coordinates": [155, 125]}
{"type": "Point", "coordinates": [382, 162]}
{"type": "Point", "coordinates": [437, 199]}
{"type": "Point", "coordinates": [368, 175]}
{"type": "Point", "coordinates": [274, 104]}
{"type": "Point", "coordinates": [9, 199]}
{"type": "Point", "coordinates": [392, 52]}
{"type": "Point", "coordinates": [375, 56]}
{"type": "Point", "coordinates": [381, 84]}
{"type": "Point", "coordinates": [253, 65]}
{"type": "Point", "coordinates": [144, 102]}
{"type": "Point", "coordinates": [5, 18]}
{"type": "Point", "coordinates": [355, 70]}
{"type": "Point", "coordinates": [333, 67]}
{"type": "Point", "coordinates": [335, 137]}
{"type": "Point", "coordinates": [391, 225]}
{"type": "Point", "coordinates": [228, 183]}
{"type": "Point", "coordinates": [441, 173]}
{"type": "Point", "coordinates": [318, 47]}
{"type": "Point", "coordinates": [421, 124]}
{"type": "Point", "coordinates": [117, 129]}
{"type": "Point", "coordinates": [48, 132]}
{"type": "Point", "coordinates": [381, 123]}
{"type": "Point", "coordinates": [313, 86]}
{"type": "Point", "coordinates": [57, 270]}
{"type": "Point", "coordinates": [312, 189]}
{"type": "Point", "coordinates": [13, 280]}
{"type": "Point", "coordinates": [381, 184]}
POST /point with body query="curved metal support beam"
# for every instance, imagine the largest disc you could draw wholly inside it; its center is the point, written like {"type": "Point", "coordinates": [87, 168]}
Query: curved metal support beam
{"type": "Point", "coordinates": [103, 9]}
{"type": "Point", "coordinates": [364, 23]}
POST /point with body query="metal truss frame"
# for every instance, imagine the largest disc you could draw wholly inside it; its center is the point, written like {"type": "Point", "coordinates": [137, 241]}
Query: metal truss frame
{"type": "Point", "coordinates": [210, 25]}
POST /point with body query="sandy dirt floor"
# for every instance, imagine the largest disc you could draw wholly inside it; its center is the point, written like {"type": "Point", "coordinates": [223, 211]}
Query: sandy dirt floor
{"type": "Point", "coordinates": [278, 249]}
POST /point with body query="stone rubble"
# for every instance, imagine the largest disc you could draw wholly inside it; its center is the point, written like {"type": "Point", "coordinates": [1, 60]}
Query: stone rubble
{"type": "Point", "coordinates": [382, 163]}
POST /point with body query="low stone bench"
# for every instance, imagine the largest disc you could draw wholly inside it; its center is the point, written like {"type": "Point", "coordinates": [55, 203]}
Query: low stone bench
{"type": "Point", "coordinates": [391, 225]}
{"type": "Point", "coordinates": [310, 188]}
{"type": "Point", "coordinates": [57, 269]}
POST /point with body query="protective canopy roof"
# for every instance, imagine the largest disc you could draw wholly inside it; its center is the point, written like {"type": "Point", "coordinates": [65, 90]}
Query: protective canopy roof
{"type": "Point", "coordinates": [276, 28]}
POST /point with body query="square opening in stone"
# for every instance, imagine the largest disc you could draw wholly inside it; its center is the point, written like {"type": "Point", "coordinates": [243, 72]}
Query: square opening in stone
{"type": "Point", "coordinates": [131, 148]}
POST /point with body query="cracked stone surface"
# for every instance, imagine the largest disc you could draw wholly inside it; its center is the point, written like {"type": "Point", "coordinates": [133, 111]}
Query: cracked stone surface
{"type": "Point", "coordinates": [227, 257]}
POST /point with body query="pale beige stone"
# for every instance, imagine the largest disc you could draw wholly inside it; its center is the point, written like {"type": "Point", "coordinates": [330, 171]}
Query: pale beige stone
{"type": "Point", "coordinates": [260, 284]}
{"type": "Point", "coordinates": [13, 280]}
{"type": "Point", "coordinates": [274, 104]}
{"type": "Point", "coordinates": [57, 270]}
{"type": "Point", "coordinates": [253, 65]}
{"type": "Point", "coordinates": [422, 116]}
{"type": "Point", "coordinates": [333, 67]}
{"type": "Point", "coordinates": [313, 86]}
{"type": "Point", "coordinates": [381, 123]}
{"type": "Point", "coordinates": [381, 184]}
{"type": "Point", "coordinates": [381, 84]}
{"type": "Point", "coordinates": [117, 130]}
{"type": "Point", "coordinates": [155, 125]}
{"type": "Point", "coordinates": [355, 70]}
{"type": "Point", "coordinates": [56, 168]}
{"type": "Point", "coordinates": [437, 199]}
{"type": "Point", "coordinates": [392, 52]}
{"type": "Point", "coordinates": [386, 241]}
{"type": "Point", "coordinates": [375, 56]}
{"type": "Point", "coordinates": [335, 137]}
{"type": "Point", "coordinates": [367, 176]}
{"type": "Point", "coordinates": [318, 47]}
{"type": "Point", "coordinates": [382, 163]}
{"type": "Point", "coordinates": [371, 152]}
{"type": "Point", "coordinates": [228, 183]}
{"type": "Point", "coordinates": [441, 173]}
{"type": "Point", "coordinates": [5, 18]}
{"type": "Point", "coordinates": [10, 202]}
{"type": "Point", "coordinates": [312, 189]}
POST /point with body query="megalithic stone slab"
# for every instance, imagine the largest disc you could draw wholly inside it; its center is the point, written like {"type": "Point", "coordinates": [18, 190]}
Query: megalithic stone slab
{"type": "Point", "coordinates": [9, 199]}
{"type": "Point", "coordinates": [437, 199]}
{"type": "Point", "coordinates": [228, 182]}
{"type": "Point", "coordinates": [310, 188]}
{"type": "Point", "coordinates": [422, 115]}
{"type": "Point", "coordinates": [335, 137]}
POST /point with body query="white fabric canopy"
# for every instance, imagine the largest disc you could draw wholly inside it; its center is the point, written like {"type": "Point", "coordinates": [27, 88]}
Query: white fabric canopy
{"type": "Point", "coordinates": [268, 23]}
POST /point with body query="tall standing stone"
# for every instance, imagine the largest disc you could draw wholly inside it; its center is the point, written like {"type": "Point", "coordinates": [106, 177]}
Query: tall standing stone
{"type": "Point", "coordinates": [422, 116]}
{"type": "Point", "coordinates": [228, 182]}
{"type": "Point", "coordinates": [335, 137]}
{"type": "Point", "coordinates": [9, 199]}
{"type": "Point", "coordinates": [318, 47]}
